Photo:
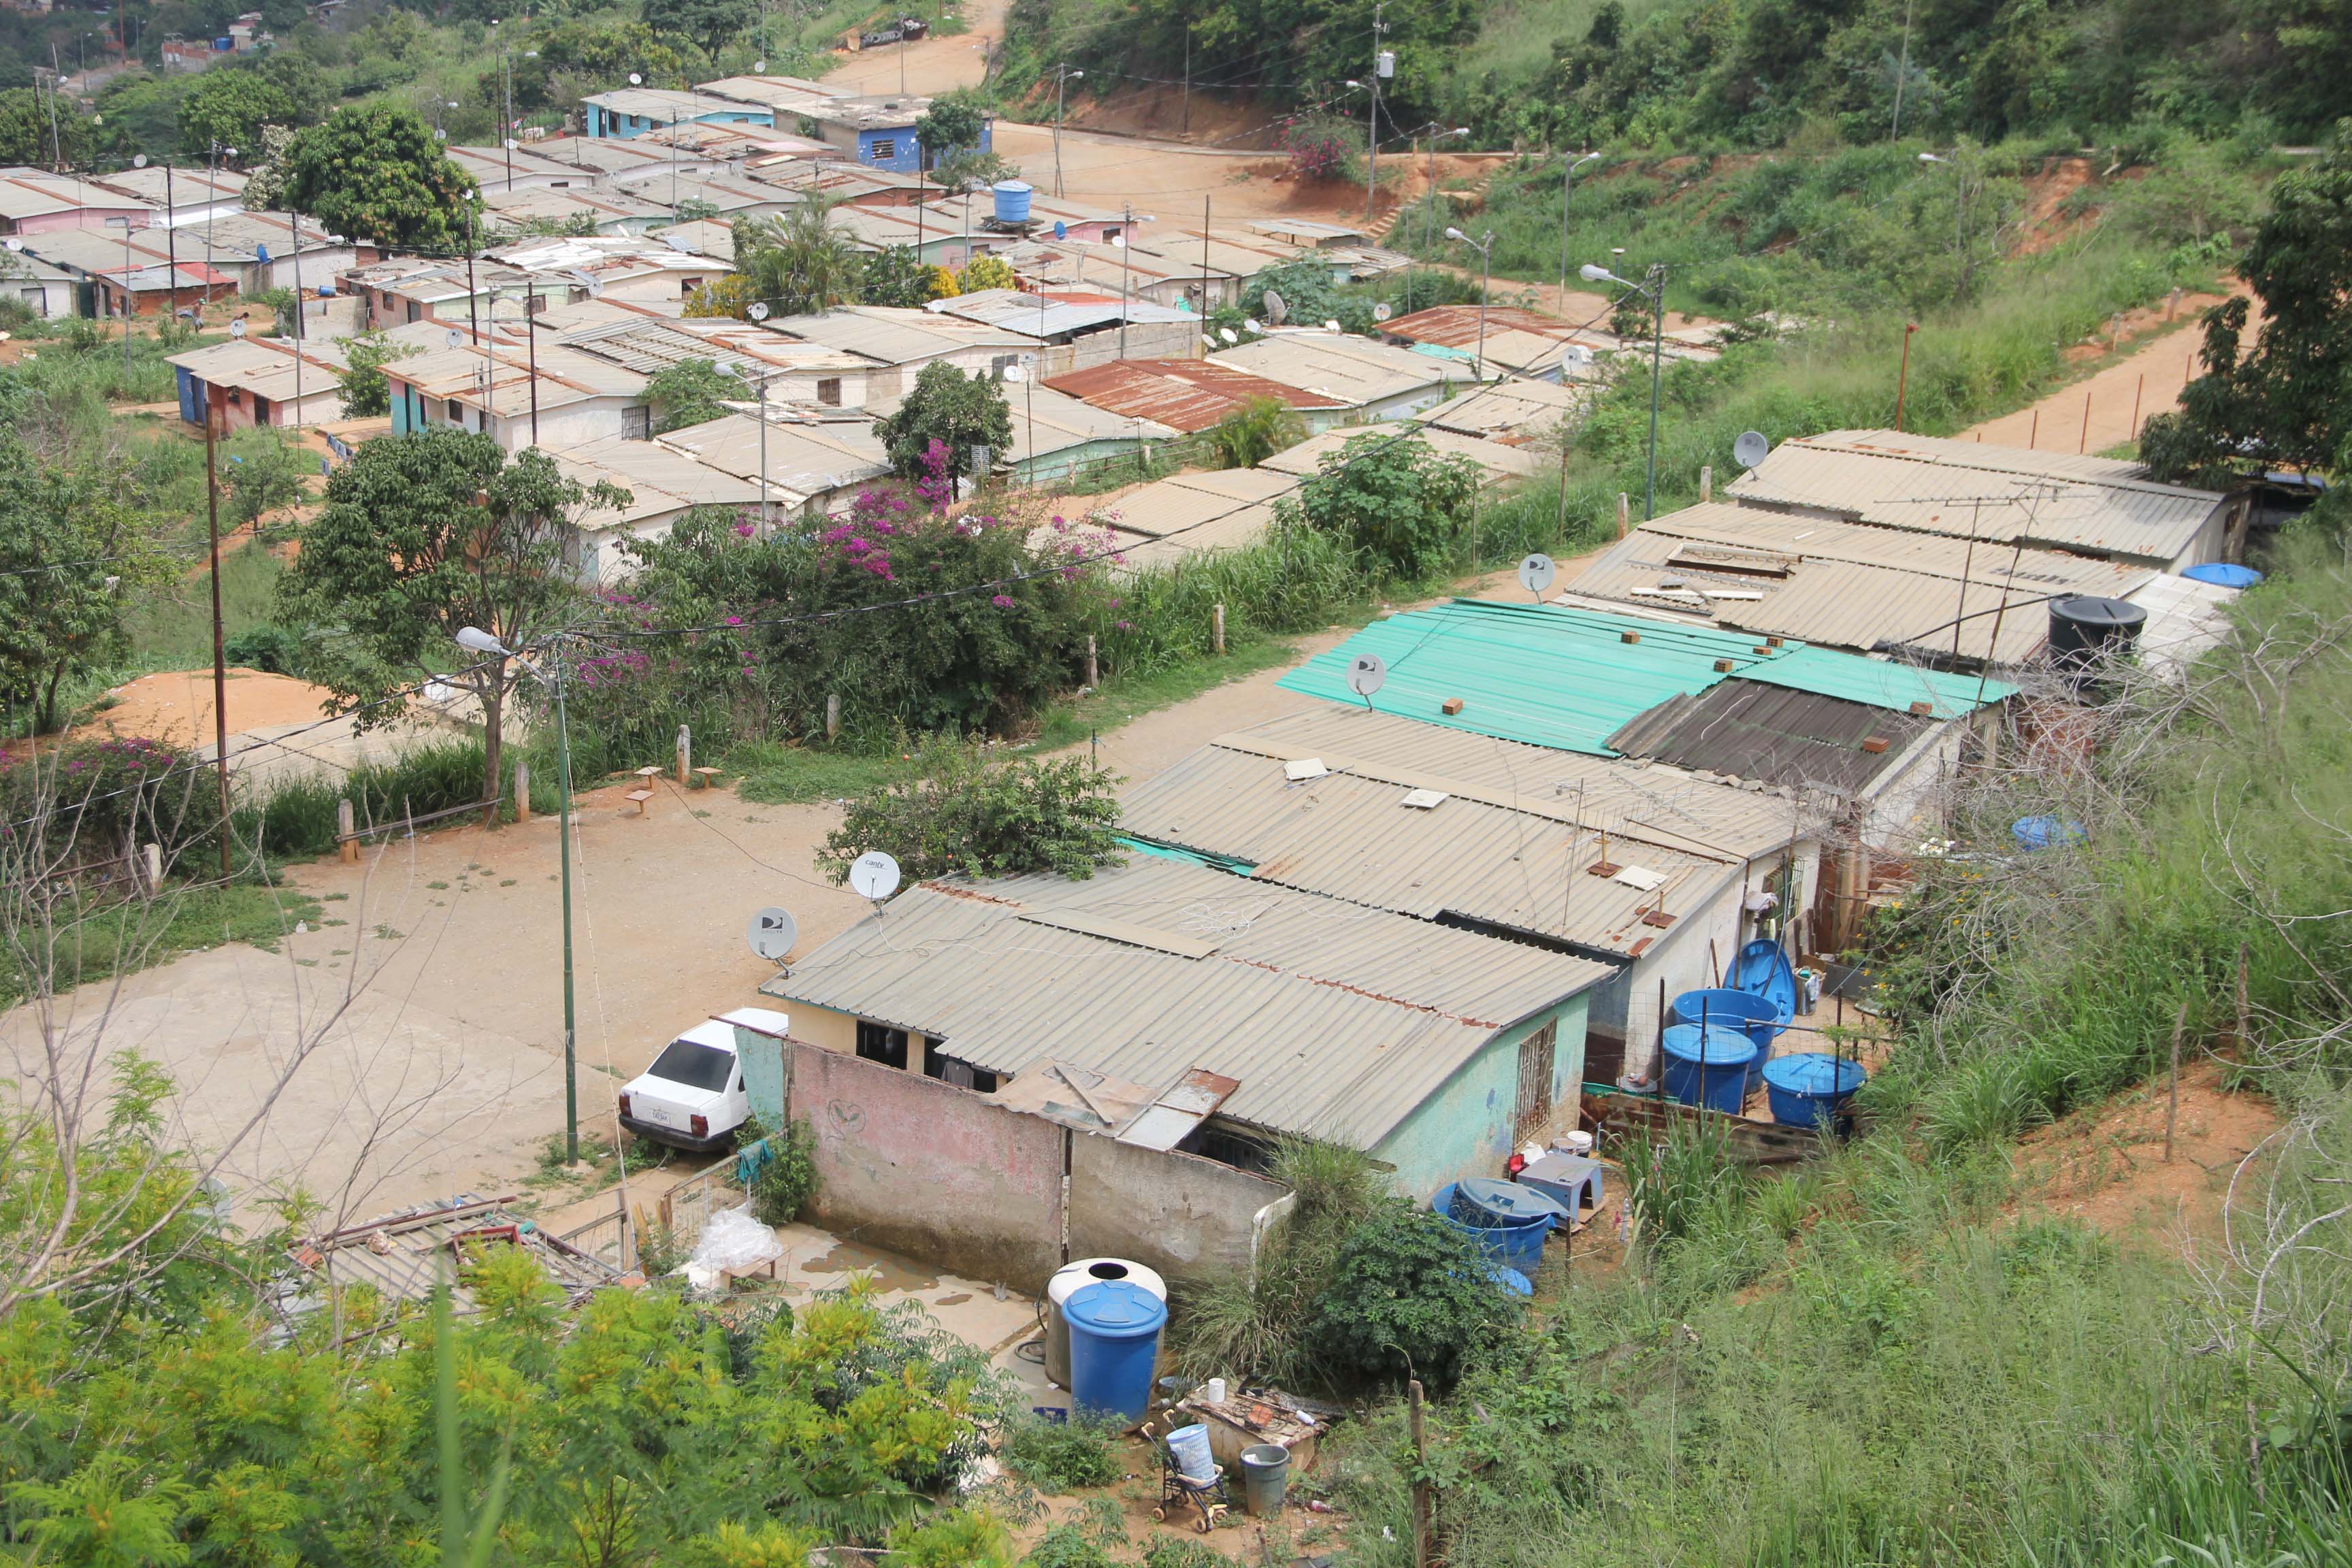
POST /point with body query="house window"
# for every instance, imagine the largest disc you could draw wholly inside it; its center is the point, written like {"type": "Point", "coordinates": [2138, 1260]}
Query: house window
{"type": "Point", "coordinates": [958, 1072]}
{"type": "Point", "coordinates": [637, 424]}
{"type": "Point", "coordinates": [885, 149]}
{"type": "Point", "coordinates": [457, 412]}
{"type": "Point", "coordinates": [236, 397]}
{"type": "Point", "coordinates": [686, 286]}
{"type": "Point", "coordinates": [828, 391]}
{"type": "Point", "coordinates": [1000, 364]}
{"type": "Point", "coordinates": [881, 1043]}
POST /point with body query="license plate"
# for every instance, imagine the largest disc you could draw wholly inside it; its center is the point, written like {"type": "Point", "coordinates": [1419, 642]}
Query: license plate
{"type": "Point", "coordinates": [658, 1116]}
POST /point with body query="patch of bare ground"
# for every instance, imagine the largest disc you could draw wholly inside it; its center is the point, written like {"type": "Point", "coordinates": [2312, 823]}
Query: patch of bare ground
{"type": "Point", "coordinates": [2107, 1165]}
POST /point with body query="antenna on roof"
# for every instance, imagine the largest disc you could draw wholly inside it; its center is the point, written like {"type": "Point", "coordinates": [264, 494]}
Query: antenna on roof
{"type": "Point", "coordinates": [1367, 673]}
{"type": "Point", "coordinates": [1278, 309]}
{"type": "Point", "coordinates": [771, 934]}
{"type": "Point", "coordinates": [1750, 450]}
{"type": "Point", "coordinates": [874, 875]}
{"type": "Point", "coordinates": [1536, 575]}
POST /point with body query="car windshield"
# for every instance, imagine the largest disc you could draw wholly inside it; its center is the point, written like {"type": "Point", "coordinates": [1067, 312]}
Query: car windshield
{"type": "Point", "coordinates": [697, 1067]}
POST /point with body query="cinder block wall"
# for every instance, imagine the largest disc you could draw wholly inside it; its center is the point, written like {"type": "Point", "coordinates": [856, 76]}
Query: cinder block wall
{"type": "Point", "coordinates": [1181, 1215]}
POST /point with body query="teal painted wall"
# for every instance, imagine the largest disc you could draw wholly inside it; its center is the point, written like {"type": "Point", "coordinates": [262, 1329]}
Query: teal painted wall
{"type": "Point", "coordinates": [1465, 1128]}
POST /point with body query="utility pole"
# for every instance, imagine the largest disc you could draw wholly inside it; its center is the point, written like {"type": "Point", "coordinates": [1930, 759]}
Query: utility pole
{"type": "Point", "coordinates": [1063, 77]}
{"type": "Point", "coordinates": [1657, 360]}
{"type": "Point", "coordinates": [1126, 244]}
{"type": "Point", "coordinates": [1383, 64]}
{"type": "Point", "coordinates": [1902, 72]}
{"type": "Point", "coordinates": [220, 656]}
{"type": "Point", "coordinates": [172, 247]}
{"type": "Point", "coordinates": [506, 125]}
{"type": "Point", "coordinates": [1187, 129]}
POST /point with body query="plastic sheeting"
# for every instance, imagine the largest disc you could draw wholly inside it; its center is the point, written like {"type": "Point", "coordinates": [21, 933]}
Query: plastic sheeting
{"type": "Point", "coordinates": [732, 1241]}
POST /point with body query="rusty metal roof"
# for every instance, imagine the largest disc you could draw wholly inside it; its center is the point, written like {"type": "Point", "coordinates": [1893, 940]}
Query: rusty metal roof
{"type": "Point", "coordinates": [1356, 371]}
{"type": "Point", "coordinates": [1186, 394]}
{"type": "Point", "coordinates": [1963, 489]}
{"type": "Point", "coordinates": [1337, 1020]}
{"type": "Point", "coordinates": [1796, 738]}
{"type": "Point", "coordinates": [1457, 326]}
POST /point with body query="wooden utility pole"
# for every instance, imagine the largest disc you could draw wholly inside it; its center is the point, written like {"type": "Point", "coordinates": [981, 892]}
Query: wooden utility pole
{"type": "Point", "coordinates": [220, 655]}
{"type": "Point", "coordinates": [2172, 1107]}
{"type": "Point", "coordinates": [1420, 1478]}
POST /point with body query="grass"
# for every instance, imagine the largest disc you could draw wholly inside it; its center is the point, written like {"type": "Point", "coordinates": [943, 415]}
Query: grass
{"type": "Point", "coordinates": [99, 941]}
{"type": "Point", "coordinates": [174, 629]}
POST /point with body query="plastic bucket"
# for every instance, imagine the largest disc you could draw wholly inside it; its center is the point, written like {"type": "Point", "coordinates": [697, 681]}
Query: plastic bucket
{"type": "Point", "coordinates": [1517, 1247]}
{"type": "Point", "coordinates": [1709, 1068]}
{"type": "Point", "coordinates": [1800, 1086]}
{"type": "Point", "coordinates": [1066, 1283]}
{"type": "Point", "coordinates": [1265, 1472]}
{"type": "Point", "coordinates": [1114, 1347]}
{"type": "Point", "coordinates": [1196, 1461]}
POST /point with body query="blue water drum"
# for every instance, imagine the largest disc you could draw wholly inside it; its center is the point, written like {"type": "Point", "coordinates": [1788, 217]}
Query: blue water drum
{"type": "Point", "coordinates": [2223, 575]}
{"type": "Point", "coordinates": [1011, 201]}
{"type": "Point", "coordinates": [1759, 1017]}
{"type": "Point", "coordinates": [1114, 1347]}
{"type": "Point", "coordinates": [1808, 1085]}
{"type": "Point", "coordinates": [1514, 1243]}
{"type": "Point", "coordinates": [1707, 1065]}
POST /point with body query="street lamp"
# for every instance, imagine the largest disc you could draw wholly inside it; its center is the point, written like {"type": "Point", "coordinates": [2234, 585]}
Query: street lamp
{"type": "Point", "coordinates": [1429, 198]}
{"type": "Point", "coordinates": [1063, 77]}
{"type": "Point", "coordinates": [1654, 290]}
{"type": "Point", "coordinates": [1959, 218]}
{"type": "Point", "coordinates": [1567, 179]}
{"type": "Point", "coordinates": [473, 639]}
{"type": "Point", "coordinates": [1485, 249]}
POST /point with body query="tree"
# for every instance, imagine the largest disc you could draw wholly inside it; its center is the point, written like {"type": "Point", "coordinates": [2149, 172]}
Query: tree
{"type": "Point", "coordinates": [25, 129]}
{"type": "Point", "coordinates": [376, 174]}
{"type": "Point", "coordinates": [964, 815]}
{"type": "Point", "coordinates": [987, 272]}
{"type": "Point", "coordinates": [709, 23]}
{"type": "Point", "coordinates": [728, 296]}
{"type": "Point", "coordinates": [1392, 497]}
{"type": "Point", "coordinates": [2287, 404]}
{"type": "Point", "coordinates": [228, 107]}
{"type": "Point", "coordinates": [691, 392]}
{"type": "Point", "coordinates": [969, 169]}
{"type": "Point", "coordinates": [895, 275]}
{"type": "Point", "coordinates": [404, 554]}
{"type": "Point", "coordinates": [798, 263]}
{"type": "Point", "coordinates": [1255, 431]}
{"type": "Point", "coordinates": [261, 479]}
{"type": "Point", "coordinates": [71, 547]}
{"type": "Point", "coordinates": [953, 124]}
{"type": "Point", "coordinates": [362, 389]}
{"type": "Point", "coordinates": [957, 411]}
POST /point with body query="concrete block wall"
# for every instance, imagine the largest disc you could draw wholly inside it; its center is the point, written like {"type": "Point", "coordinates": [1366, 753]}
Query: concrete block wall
{"type": "Point", "coordinates": [1179, 1214]}
{"type": "Point", "coordinates": [914, 1165]}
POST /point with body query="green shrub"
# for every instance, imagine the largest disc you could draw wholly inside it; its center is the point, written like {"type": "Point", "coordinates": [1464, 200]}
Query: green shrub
{"type": "Point", "coordinates": [788, 1180]}
{"type": "Point", "coordinates": [271, 649]}
{"type": "Point", "coordinates": [1408, 1296]}
{"type": "Point", "coordinates": [1061, 1457]}
{"type": "Point", "coordinates": [965, 814]}
{"type": "Point", "coordinates": [1391, 497]}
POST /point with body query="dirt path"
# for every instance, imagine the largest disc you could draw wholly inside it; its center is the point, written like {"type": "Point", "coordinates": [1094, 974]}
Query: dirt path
{"type": "Point", "coordinates": [2108, 408]}
{"type": "Point", "coordinates": [929, 66]}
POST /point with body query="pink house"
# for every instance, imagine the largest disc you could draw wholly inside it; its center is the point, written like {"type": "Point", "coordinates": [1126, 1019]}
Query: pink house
{"type": "Point", "coordinates": [34, 202]}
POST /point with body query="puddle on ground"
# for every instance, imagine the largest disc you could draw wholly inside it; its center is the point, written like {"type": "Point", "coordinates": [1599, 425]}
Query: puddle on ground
{"type": "Point", "coordinates": [890, 1272]}
{"type": "Point", "coordinates": [958, 1299]}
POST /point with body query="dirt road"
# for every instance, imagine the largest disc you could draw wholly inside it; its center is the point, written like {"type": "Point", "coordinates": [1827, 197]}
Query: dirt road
{"type": "Point", "coordinates": [2106, 410]}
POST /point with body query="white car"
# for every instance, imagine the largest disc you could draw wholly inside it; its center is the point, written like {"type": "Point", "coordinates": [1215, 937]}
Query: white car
{"type": "Point", "coordinates": [692, 1098]}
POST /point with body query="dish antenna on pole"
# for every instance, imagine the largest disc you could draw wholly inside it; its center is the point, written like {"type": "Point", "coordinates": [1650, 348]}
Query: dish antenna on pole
{"type": "Point", "coordinates": [1536, 574]}
{"type": "Point", "coordinates": [1367, 673]}
{"type": "Point", "coordinates": [1751, 449]}
{"type": "Point", "coordinates": [1382, 313]}
{"type": "Point", "coordinates": [874, 875]}
{"type": "Point", "coordinates": [1278, 309]}
{"type": "Point", "coordinates": [771, 934]}
{"type": "Point", "coordinates": [756, 309]}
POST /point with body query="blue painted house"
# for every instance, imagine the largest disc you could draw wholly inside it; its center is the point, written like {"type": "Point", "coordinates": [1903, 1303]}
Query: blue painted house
{"type": "Point", "coordinates": [879, 131]}
{"type": "Point", "coordinates": [629, 111]}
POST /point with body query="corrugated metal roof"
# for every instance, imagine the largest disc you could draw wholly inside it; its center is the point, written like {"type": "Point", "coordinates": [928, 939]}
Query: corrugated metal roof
{"type": "Point", "coordinates": [1496, 460]}
{"type": "Point", "coordinates": [1845, 584]}
{"type": "Point", "coordinates": [887, 335]}
{"type": "Point", "coordinates": [1796, 738]}
{"type": "Point", "coordinates": [32, 193]}
{"type": "Point", "coordinates": [1961, 490]}
{"type": "Point", "coordinates": [1635, 798]}
{"type": "Point", "coordinates": [661, 480]}
{"type": "Point", "coordinates": [1569, 678]}
{"type": "Point", "coordinates": [1042, 317]}
{"type": "Point", "coordinates": [1044, 422]}
{"type": "Point", "coordinates": [1337, 1020]}
{"type": "Point", "coordinates": [809, 460]}
{"type": "Point", "coordinates": [1350, 833]}
{"type": "Point", "coordinates": [1356, 371]}
{"type": "Point", "coordinates": [2185, 619]}
{"type": "Point", "coordinates": [1517, 408]}
{"type": "Point", "coordinates": [407, 1254]}
{"type": "Point", "coordinates": [265, 366]}
{"type": "Point", "coordinates": [1184, 394]}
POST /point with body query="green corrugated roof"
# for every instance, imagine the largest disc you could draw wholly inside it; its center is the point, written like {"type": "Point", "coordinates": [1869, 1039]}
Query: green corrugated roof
{"type": "Point", "coordinates": [1551, 676]}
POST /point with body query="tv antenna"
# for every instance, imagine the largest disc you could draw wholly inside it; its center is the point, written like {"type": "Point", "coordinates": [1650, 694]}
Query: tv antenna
{"type": "Point", "coordinates": [771, 934]}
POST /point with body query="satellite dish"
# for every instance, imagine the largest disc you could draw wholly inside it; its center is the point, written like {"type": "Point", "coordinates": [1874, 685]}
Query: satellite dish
{"type": "Point", "coordinates": [874, 875]}
{"type": "Point", "coordinates": [15, 244]}
{"type": "Point", "coordinates": [1228, 334]}
{"type": "Point", "coordinates": [1278, 309]}
{"type": "Point", "coordinates": [261, 253]}
{"type": "Point", "coordinates": [1382, 313]}
{"type": "Point", "coordinates": [452, 338]}
{"type": "Point", "coordinates": [1251, 323]}
{"type": "Point", "coordinates": [1013, 373]}
{"type": "Point", "coordinates": [759, 68]}
{"type": "Point", "coordinates": [139, 162]}
{"type": "Point", "coordinates": [1208, 343]}
{"type": "Point", "coordinates": [1367, 673]}
{"type": "Point", "coordinates": [237, 329]}
{"type": "Point", "coordinates": [1330, 326]}
{"type": "Point", "coordinates": [1535, 572]}
{"type": "Point", "coordinates": [771, 934]}
{"type": "Point", "coordinates": [1575, 356]}
{"type": "Point", "coordinates": [1061, 229]}
{"type": "Point", "coordinates": [758, 310]}
{"type": "Point", "coordinates": [1751, 449]}
{"type": "Point", "coordinates": [637, 80]}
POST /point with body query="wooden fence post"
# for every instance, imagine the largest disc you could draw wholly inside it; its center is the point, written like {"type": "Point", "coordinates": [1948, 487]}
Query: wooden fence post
{"type": "Point", "coordinates": [151, 863]}
{"type": "Point", "coordinates": [523, 792]}
{"type": "Point", "coordinates": [1624, 513]}
{"type": "Point", "coordinates": [833, 715]}
{"type": "Point", "coordinates": [1419, 1484]}
{"type": "Point", "coordinates": [1707, 484]}
{"type": "Point", "coordinates": [1094, 666]}
{"type": "Point", "coordinates": [345, 830]}
{"type": "Point", "coordinates": [685, 757]}
{"type": "Point", "coordinates": [1217, 627]}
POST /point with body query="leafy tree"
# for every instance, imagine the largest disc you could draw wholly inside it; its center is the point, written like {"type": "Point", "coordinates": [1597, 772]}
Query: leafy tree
{"type": "Point", "coordinates": [375, 173]}
{"type": "Point", "coordinates": [964, 815]}
{"type": "Point", "coordinates": [1407, 1296]}
{"type": "Point", "coordinates": [263, 478]}
{"type": "Point", "coordinates": [364, 390]}
{"type": "Point", "coordinates": [969, 169]}
{"type": "Point", "coordinates": [1392, 496]}
{"type": "Point", "coordinates": [1255, 431]}
{"type": "Point", "coordinates": [229, 109]}
{"type": "Point", "coordinates": [953, 124]}
{"type": "Point", "coordinates": [951, 409]}
{"type": "Point", "coordinates": [798, 263]}
{"type": "Point", "coordinates": [895, 275]}
{"type": "Point", "coordinates": [691, 392]}
{"type": "Point", "coordinates": [72, 546]}
{"type": "Point", "coordinates": [987, 272]}
{"type": "Point", "coordinates": [2288, 402]}
{"type": "Point", "coordinates": [728, 296]}
{"type": "Point", "coordinates": [24, 129]}
{"type": "Point", "coordinates": [582, 55]}
{"type": "Point", "coordinates": [403, 554]}
{"type": "Point", "coordinates": [709, 23]}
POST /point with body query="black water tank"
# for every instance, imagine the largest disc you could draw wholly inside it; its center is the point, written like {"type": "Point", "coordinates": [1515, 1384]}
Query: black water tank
{"type": "Point", "coordinates": [2085, 629]}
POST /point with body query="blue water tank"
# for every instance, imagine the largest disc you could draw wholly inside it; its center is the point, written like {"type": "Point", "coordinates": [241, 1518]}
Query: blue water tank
{"type": "Point", "coordinates": [1758, 1017]}
{"type": "Point", "coordinates": [1491, 1205]}
{"type": "Point", "coordinates": [2222, 575]}
{"type": "Point", "coordinates": [1516, 1245]}
{"type": "Point", "coordinates": [1012, 200]}
{"type": "Point", "coordinates": [1801, 1086]}
{"type": "Point", "coordinates": [1709, 1066]}
{"type": "Point", "coordinates": [1113, 1345]}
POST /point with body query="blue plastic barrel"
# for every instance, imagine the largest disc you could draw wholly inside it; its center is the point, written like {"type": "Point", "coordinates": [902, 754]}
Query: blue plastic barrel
{"type": "Point", "coordinates": [1801, 1085]}
{"type": "Point", "coordinates": [1492, 1204]}
{"type": "Point", "coordinates": [2222, 575]}
{"type": "Point", "coordinates": [1012, 200]}
{"type": "Point", "coordinates": [1114, 1347]}
{"type": "Point", "coordinates": [1517, 1245]}
{"type": "Point", "coordinates": [1759, 1017]}
{"type": "Point", "coordinates": [1708, 1068]}
{"type": "Point", "coordinates": [2033, 833]}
